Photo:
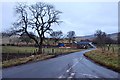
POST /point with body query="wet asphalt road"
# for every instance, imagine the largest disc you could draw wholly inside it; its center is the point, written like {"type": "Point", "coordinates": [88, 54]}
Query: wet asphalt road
{"type": "Point", "coordinates": [73, 65]}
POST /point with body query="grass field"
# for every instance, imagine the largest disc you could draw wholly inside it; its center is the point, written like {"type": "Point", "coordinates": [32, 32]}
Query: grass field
{"type": "Point", "coordinates": [15, 49]}
{"type": "Point", "coordinates": [106, 58]}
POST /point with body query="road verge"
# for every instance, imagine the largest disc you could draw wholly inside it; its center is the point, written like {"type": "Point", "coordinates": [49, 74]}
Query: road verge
{"type": "Point", "coordinates": [107, 59]}
{"type": "Point", "coordinates": [33, 58]}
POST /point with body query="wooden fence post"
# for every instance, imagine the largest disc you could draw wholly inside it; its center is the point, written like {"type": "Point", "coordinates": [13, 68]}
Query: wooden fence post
{"type": "Point", "coordinates": [18, 52]}
{"type": "Point", "coordinates": [52, 51]}
{"type": "Point", "coordinates": [43, 51]}
{"type": "Point", "coordinates": [7, 56]}
{"type": "Point", "coordinates": [113, 49]}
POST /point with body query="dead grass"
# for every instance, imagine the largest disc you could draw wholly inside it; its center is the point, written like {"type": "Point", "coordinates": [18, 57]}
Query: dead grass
{"type": "Point", "coordinates": [15, 62]}
{"type": "Point", "coordinates": [18, 61]}
{"type": "Point", "coordinates": [107, 58]}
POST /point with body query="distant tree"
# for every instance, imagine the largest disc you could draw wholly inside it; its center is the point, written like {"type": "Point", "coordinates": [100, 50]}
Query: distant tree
{"type": "Point", "coordinates": [39, 18]}
{"type": "Point", "coordinates": [9, 33]}
{"type": "Point", "coordinates": [118, 38]}
{"type": "Point", "coordinates": [56, 35]}
{"type": "Point", "coordinates": [101, 39]}
{"type": "Point", "coordinates": [5, 34]}
{"type": "Point", "coordinates": [25, 38]}
{"type": "Point", "coordinates": [71, 36]}
{"type": "Point", "coordinates": [86, 40]}
{"type": "Point", "coordinates": [109, 41]}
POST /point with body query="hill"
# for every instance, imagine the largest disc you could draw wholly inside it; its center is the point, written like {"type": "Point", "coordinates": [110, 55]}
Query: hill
{"type": "Point", "coordinates": [91, 37]}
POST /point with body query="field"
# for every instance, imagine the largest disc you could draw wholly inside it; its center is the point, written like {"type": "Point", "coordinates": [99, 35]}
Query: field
{"type": "Point", "coordinates": [13, 55]}
{"type": "Point", "coordinates": [26, 50]}
{"type": "Point", "coordinates": [113, 48]}
{"type": "Point", "coordinates": [15, 49]}
{"type": "Point", "coordinates": [108, 58]}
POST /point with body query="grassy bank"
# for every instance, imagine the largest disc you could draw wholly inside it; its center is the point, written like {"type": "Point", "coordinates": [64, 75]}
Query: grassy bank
{"type": "Point", "coordinates": [19, 61]}
{"type": "Point", "coordinates": [48, 53]}
{"type": "Point", "coordinates": [107, 58]}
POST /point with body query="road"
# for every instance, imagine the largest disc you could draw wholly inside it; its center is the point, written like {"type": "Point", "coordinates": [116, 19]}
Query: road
{"type": "Point", "coordinates": [73, 65]}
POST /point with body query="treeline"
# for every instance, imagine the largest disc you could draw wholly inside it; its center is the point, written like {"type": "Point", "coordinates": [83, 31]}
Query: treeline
{"type": "Point", "coordinates": [102, 40]}
{"type": "Point", "coordinates": [54, 38]}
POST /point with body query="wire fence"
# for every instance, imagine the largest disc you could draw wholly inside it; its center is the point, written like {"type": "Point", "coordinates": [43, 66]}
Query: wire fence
{"type": "Point", "coordinates": [27, 53]}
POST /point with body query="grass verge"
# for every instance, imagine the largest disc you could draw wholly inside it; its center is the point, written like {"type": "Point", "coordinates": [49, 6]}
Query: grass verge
{"type": "Point", "coordinates": [15, 62]}
{"type": "Point", "coordinates": [107, 59]}
{"type": "Point", "coordinates": [19, 61]}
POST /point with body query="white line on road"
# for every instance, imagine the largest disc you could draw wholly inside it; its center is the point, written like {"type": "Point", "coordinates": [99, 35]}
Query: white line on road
{"type": "Point", "coordinates": [68, 70]}
{"type": "Point", "coordinates": [60, 77]}
{"type": "Point", "coordinates": [88, 75]}
{"type": "Point", "coordinates": [71, 76]}
{"type": "Point", "coordinates": [72, 67]}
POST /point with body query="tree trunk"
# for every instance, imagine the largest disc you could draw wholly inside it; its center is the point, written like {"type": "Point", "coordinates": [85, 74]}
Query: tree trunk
{"type": "Point", "coordinates": [40, 49]}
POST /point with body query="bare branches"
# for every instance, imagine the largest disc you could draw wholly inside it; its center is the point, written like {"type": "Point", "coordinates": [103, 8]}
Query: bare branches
{"type": "Point", "coordinates": [38, 17]}
{"type": "Point", "coordinates": [71, 36]}
{"type": "Point", "coordinates": [22, 10]}
{"type": "Point", "coordinates": [43, 16]}
{"type": "Point", "coordinates": [56, 35]}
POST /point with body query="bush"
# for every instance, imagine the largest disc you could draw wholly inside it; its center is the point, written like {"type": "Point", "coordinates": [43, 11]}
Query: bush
{"type": "Point", "coordinates": [8, 44]}
{"type": "Point", "coordinates": [3, 44]}
{"type": "Point", "coordinates": [12, 44]}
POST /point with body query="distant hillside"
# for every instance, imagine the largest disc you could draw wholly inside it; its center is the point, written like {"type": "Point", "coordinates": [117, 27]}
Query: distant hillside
{"type": "Point", "coordinates": [91, 37]}
{"type": "Point", "coordinates": [113, 36]}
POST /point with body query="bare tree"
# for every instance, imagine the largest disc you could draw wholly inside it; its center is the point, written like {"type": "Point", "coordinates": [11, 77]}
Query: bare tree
{"type": "Point", "coordinates": [71, 36]}
{"type": "Point", "coordinates": [39, 18]}
{"type": "Point", "coordinates": [56, 35]}
{"type": "Point", "coordinates": [101, 39]}
{"type": "Point", "coordinates": [25, 38]}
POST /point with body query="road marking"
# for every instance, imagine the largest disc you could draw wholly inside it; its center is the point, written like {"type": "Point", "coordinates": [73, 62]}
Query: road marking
{"type": "Point", "coordinates": [72, 74]}
{"type": "Point", "coordinates": [68, 70]}
{"type": "Point", "coordinates": [60, 77]}
{"type": "Point", "coordinates": [70, 77]}
{"type": "Point", "coordinates": [89, 75]}
{"type": "Point", "coordinates": [81, 58]}
{"type": "Point", "coordinates": [72, 67]}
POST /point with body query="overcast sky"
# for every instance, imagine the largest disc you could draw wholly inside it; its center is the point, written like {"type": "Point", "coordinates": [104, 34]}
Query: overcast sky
{"type": "Point", "coordinates": [82, 17]}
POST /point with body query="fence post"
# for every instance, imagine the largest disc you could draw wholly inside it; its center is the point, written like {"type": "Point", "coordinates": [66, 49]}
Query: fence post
{"type": "Point", "coordinates": [7, 56]}
{"type": "Point", "coordinates": [17, 55]}
{"type": "Point", "coordinates": [18, 51]}
{"type": "Point", "coordinates": [42, 51]}
{"type": "Point", "coordinates": [36, 52]}
{"type": "Point", "coordinates": [60, 51]}
{"type": "Point", "coordinates": [113, 49]}
{"type": "Point", "coordinates": [52, 51]}
{"type": "Point", "coordinates": [31, 53]}
{"type": "Point", "coordinates": [48, 52]}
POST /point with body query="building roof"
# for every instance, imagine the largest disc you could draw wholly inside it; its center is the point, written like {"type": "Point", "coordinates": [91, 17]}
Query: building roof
{"type": "Point", "coordinates": [83, 43]}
